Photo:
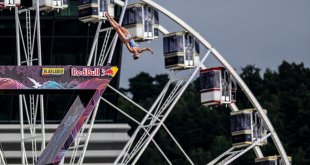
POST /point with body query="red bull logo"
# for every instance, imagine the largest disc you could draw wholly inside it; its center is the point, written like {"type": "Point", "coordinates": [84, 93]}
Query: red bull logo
{"type": "Point", "coordinates": [89, 72]}
{"type": "Point", "coordinates": [85, 72]}
{"type": "Point", "coordinates": [108, 72]}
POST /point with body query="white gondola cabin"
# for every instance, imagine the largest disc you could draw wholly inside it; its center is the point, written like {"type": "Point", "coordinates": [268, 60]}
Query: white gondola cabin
{"type": "Point", "coordinates": [271, 160]}
{"type": "Point", "coordinates": [9, 3]}
{"type": "Point", "coordinates": [181, 51]}
{"type": "Point", "coordinates": [49, 5]}
{"type": "Point", "coordinates": [246, 126]}
{"type": "Point", "coordinates": [217, 86]}
{"type": "Point", "coordinates": [142, 21]}
{"type": "Point", "coordinates": [93, 10]}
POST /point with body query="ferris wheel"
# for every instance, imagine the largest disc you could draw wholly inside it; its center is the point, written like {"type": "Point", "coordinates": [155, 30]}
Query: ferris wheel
{"type": "Point", "coordinates": [250, 128]}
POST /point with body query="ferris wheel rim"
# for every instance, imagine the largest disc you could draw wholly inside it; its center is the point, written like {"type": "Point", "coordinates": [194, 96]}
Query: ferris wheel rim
{"type": "Point", "coordinates": [230, 69]}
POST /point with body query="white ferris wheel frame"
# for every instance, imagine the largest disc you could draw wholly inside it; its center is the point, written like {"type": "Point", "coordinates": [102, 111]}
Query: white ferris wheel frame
{"type": "Point", "coordinates": [202, 40]}
{"type": "Point", "coordinates": [230, 69]}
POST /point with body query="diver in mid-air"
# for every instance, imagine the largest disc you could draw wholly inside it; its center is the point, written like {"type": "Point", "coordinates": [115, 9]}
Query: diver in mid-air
{"type": "Point", "coordinates": [126, 38]}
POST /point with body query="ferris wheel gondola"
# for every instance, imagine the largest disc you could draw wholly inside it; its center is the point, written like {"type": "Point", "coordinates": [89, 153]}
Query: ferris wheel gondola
{"type": "Point", "coordinates": [217, 86]}
{"type": "Point", "coordinates": [141, 20]}
{"type": "Point", "coordinates": [246, 127]}
{"type": "Point", "coordinates": [181, 50]}
{"type": "Point", "coordinates": [93, 11]}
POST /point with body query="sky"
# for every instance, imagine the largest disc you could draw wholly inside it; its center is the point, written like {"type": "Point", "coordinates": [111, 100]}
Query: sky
{"type": "Point", "coordinates": [262, 33]}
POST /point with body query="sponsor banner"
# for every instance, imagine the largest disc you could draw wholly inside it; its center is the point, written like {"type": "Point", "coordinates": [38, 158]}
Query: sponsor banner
{"type": "Point", "coordinates": [40, 78]}
{"type": "Point", "coordinates": [54, 77]}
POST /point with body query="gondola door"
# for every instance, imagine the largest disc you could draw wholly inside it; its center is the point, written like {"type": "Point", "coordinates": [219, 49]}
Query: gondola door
{"type": "Point", "coordinates": [101, 7]}
{"type": "Point", "coordinates": [225, 82]}
{"type": "Point", "coordinates": [189, 50]}
{"type": "Point", "coordinates": [148, 21]}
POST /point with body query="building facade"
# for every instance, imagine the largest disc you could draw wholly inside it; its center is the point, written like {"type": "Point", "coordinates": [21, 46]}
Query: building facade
{"type": "Point", "coordinates": [65, 41]}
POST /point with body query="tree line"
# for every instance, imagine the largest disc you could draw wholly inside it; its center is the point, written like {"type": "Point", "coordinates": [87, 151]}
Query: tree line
{"type": "Point", "coordinates": [204, 132]}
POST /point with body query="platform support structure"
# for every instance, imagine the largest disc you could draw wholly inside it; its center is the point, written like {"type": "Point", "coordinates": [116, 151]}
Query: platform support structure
{"type": "Point", "coordinates": [29, 105]}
